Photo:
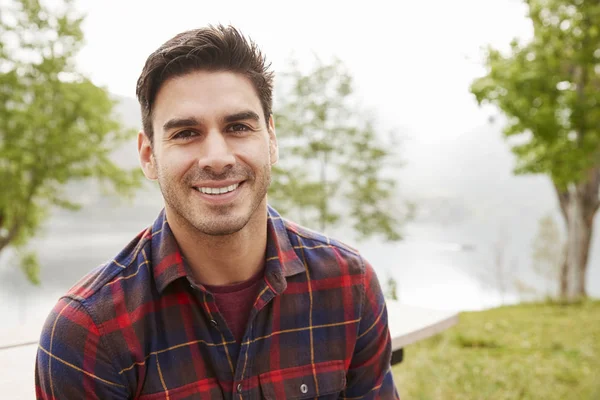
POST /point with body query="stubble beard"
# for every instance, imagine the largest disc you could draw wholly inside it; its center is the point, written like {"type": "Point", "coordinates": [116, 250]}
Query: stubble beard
{"type": "Point", "coordinates": [215, 220]}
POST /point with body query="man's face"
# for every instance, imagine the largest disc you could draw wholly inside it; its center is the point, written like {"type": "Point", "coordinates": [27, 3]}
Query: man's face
{"type": "Point", "coordinates": [212, 151]}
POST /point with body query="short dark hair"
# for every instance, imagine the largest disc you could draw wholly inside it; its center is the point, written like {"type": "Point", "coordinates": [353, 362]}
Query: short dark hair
{"type": "Point", "coordinates": [213, 48]}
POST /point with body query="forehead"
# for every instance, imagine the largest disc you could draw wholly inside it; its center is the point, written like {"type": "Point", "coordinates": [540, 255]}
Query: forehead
{"type": "Point", "coordinates": [205, 95]}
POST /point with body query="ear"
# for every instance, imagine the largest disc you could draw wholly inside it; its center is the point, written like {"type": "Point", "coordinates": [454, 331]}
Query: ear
{"type": "Point", "coordinates": [146, 156]}
{"type": "Point", "coordinates": [273, 147]}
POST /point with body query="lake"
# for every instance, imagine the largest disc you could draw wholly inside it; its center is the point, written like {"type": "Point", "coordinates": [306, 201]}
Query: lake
{"type": "Point", "coordinates": [443, 266]}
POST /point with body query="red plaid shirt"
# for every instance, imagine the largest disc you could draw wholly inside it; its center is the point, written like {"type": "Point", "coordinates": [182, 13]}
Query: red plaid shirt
{"type": "Point", "coordinates": [137, 327]}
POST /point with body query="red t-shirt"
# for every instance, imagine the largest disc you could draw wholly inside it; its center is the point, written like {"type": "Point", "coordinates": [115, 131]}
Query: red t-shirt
{"type": "Point", "coordinates": [235, 303]}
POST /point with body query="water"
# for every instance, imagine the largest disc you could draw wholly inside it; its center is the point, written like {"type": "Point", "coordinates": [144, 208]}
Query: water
{"type": "Point", "coordinates": [432, 267]}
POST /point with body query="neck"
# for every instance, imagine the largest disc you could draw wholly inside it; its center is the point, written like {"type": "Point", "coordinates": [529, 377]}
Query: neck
{"type": "Point", "coordinates": [224, 260]}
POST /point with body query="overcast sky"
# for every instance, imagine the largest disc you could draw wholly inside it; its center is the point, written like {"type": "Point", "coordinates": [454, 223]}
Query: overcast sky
{"type": "Point", "coordinates": [412, 60]}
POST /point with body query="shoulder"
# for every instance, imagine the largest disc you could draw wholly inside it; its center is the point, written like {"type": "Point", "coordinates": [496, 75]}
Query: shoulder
{"type": "Point", "coordinates": [66, 325]}
{"type": "Point", "coordinates": [73, 356]}
{"type": "Point", "coordinates": [100, 285]}
{"type": "Point", "coordinates": [321, 252]}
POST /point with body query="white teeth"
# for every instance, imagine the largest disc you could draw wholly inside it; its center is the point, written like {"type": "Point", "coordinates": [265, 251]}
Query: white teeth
{"type": "Point", "coordinates": [222, 190]}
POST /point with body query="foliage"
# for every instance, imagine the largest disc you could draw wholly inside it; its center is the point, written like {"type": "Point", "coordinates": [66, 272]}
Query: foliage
{"type": "Point", "coordinates": [334, 166]}
{"type": "Point", "coordinates": [549, 89]}
{"type": "Point", "coordinates": [529, 351]}
{"type": "Point", "coordinates": [30, 266]}
{"type": "Point", "coordinates": [56, 126]}
{"type": "Point", "coordinates": [391, 288]}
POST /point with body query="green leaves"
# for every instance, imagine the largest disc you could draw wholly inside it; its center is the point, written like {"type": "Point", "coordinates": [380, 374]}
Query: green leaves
{"type": "Point", "coordinates": [333, 163]}
{"type": "Point", "coordinates": [550, 90]}
{"type": "Point", "coordinates": [56, 126]}
{"type": "Point", "coordinates": [30, 266]}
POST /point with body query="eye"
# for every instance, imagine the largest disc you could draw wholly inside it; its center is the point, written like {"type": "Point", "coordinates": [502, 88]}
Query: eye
{"type": "Point", "coordinates": [185, 134]}
{"type": "Point", "coordinates": [238, 128]}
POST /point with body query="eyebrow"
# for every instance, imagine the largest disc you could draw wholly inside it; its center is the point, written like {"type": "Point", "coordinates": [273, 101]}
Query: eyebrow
{"type": "Point", "coordinates": [241, 116]}
{"type": "Point", "coordinates": [191, 121]}
{"type": "Point", "coordinates": [179, 123]}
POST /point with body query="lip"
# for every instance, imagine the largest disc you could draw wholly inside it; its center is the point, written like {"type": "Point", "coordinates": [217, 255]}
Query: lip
{"type": "Point", "coordinates": [220, 199]}
{"type": "Point", "coordinates": [217, 184]}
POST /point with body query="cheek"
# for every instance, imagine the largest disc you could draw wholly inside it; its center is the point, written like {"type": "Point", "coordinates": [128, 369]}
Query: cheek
{"type": "Point", "coordinates": [251, 151]}
{"type": "Point", "coordinates": [257, 158]}
{"type": "Point", "coordinates": [175, 162]}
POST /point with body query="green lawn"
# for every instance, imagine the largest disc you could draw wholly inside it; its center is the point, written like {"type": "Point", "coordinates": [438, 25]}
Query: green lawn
{"type": "Point", "coordinates": [529, 351]}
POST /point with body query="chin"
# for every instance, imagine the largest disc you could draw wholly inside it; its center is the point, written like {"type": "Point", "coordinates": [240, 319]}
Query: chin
{"type": "Point", "coordinates": [221, 232]}
{"type": "Point", "coordinates": [221, 226]}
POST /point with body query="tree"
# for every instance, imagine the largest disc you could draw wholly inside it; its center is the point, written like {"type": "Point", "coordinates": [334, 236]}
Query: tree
{"type": "Point", "coordinates": [391, 288]}
{"type": "Point", "coordinates": [334, 163]}
{"type": "Point", "coordinates": [501, 272]}
{"type": "Point", "coordinates": [549, 89]}
{"type": "Point", "coordinates": [547, 254]}
{"type": "Point", "coordinates": [500, 269]}
{"type": "Point", "coordinates": [56, 126]}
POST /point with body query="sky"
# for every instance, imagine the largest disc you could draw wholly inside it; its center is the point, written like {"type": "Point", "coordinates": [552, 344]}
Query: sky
{"type": "Point", "coordinates": [412, 61]}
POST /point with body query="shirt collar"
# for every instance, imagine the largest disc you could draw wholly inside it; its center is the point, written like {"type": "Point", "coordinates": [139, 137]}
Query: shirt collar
{"type": "Point", "coordinates": [282, 261]}
{"type": "Point", "coordinates": [281, 258]}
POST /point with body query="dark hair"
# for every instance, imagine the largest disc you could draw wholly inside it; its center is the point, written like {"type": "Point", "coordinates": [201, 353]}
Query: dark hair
{"type": "Point", "coordinates": [214, 48]}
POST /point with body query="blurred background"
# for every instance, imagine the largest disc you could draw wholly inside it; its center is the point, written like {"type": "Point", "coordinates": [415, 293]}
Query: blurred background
{"type": "Point", "coordinates": [455, 144]}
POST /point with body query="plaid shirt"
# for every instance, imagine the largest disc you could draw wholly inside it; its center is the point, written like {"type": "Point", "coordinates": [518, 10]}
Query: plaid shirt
{"type": "Point", "coordinates": [137, 327]}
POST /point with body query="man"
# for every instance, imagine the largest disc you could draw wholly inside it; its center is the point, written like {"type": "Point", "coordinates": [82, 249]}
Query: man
{"type": "Point", "coordinates": [220, 298]}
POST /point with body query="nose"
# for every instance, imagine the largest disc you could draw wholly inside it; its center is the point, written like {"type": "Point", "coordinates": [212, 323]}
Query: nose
{"type": "Point", "coordinates": [216, 153]}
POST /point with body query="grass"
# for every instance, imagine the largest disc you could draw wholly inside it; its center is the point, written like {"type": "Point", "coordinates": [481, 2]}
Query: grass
{"type": "Point", "coordinates": [528, 351]}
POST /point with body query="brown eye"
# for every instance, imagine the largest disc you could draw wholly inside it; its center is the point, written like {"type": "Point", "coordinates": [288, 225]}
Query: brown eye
{"type": "Point", "coordinates": [238, 128]}
{"type": "Point", "coordinates": [186, 134]}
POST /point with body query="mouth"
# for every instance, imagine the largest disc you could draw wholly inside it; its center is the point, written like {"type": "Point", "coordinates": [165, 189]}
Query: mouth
{"type": "Point", "coordinates": [218, 191]}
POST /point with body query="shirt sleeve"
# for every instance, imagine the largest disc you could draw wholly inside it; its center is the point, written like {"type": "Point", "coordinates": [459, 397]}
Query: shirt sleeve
{"type": "Point", "coordinates": [73, 361]}
{"type": "Point", "coordinates": [370, 374]}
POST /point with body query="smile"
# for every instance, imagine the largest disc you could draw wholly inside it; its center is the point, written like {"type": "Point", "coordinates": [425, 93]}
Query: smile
{"type": "Point", "coordinates": [217, 190]}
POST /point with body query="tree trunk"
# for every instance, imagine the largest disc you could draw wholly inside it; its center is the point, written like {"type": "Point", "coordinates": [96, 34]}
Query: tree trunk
{"type": "Point", "coordinates": [563, 279]}
{"type": "Point", "coordinates": [578, 242]}
{"type": "Point", "coordinates": [579, 204]}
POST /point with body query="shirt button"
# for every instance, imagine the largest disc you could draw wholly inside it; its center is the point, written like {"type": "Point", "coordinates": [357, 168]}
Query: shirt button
{"type": "Point", "coordinates": [214, 323]}
{"type": "Point", "coordinates": [239, 388]}
{"type": "Point", "coordinates": [303, 388]}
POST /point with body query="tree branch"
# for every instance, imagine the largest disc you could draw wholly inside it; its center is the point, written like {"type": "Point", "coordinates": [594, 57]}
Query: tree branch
{"type": "Point", "coordinates": [590, 192]}
{"type": "Point", "coordinates": [4, 241]}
